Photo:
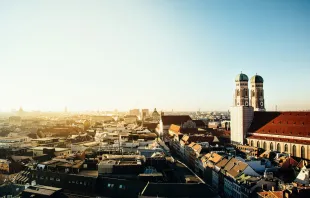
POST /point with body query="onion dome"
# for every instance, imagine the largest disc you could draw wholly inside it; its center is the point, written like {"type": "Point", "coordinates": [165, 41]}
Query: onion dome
{"type": "Point", "coordinates": [242, 78]}
{"type": "Point", "coordinates": [257, 79]}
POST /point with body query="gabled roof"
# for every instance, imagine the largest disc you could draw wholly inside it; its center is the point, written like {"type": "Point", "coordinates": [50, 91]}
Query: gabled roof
{"type": "Point", "coordinates": [191, 144]}
{"type": "Point", "coordinates": [185, 138]}
{"type": "Point", "coordinates": [289, 162]}
{"type": "Point", "coordinates": [175, 128]}
{"type": "Point", "coordinates": [175, 119]}
{"type": "Point", "coordinates": [222, 163]}
{"type": "Point", "coordinates": [281, 123]}
{"type": "Point", "coordinates": [197, 148]}
{"type": "Point", "coordinates": [238, 168]}
{"type": "Point", "coordinates": [230, 164]}
{"type": "Point", "coordinates": [302, 163]}
{"type": "Point", "coordinates": [215, 158]}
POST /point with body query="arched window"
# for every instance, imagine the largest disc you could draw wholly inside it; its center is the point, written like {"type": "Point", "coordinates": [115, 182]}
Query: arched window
{"type": "Point", "coordinates": [252, 144]}
{"type": "Point", "coordinates": [264, 146]}
{"type": "Point", "coordinates": [278, 147]}
{"type": "Point", "coordinates": [302, 151]}
{"type": "Point", "coordinates": [271, 146]}
{"type": "Point", "coordinates": [258, 144]}
{"type": "Point", "coordinates": [238, 93]}
{"type": "Point", "coordinates": [294, 150]}
{"type": "Point", "coordinates": [285, 148]}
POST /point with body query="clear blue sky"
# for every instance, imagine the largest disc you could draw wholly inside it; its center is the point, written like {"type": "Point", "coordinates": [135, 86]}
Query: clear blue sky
{"type": "Point", "coordinates": [180, 55]}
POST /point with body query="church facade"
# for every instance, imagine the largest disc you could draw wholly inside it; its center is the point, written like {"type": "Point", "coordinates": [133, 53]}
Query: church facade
{"type": "Point", "coordinates": [276, 131]}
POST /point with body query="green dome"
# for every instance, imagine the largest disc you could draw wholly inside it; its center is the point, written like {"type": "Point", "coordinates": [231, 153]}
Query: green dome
{"type": "Point", "coordinates": [257, 79]}
{"type": "Point", "coordinates": [242, 78]}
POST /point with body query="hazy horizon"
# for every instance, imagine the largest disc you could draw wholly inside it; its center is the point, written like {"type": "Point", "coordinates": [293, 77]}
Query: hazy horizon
{"type": "Point", "coordinates": [181, 55]}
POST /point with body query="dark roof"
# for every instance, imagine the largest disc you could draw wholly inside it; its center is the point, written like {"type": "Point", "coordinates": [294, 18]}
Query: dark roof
{"type": "Point", "coordinates": [150, 125]}
{"type": "Point", "coordinates": [198, 139]}
{"type": "Point", "coordinates": [257, 79]}
{"type": "Point", "coordinates": [177, 190]}
{"type": "Point", "coordinates": [199, 123]}
{"type": "Point", "coordinates": [241, 77]}
{"type": "Point", "coordinates": [281, 123]}
{"type": "Point", "coordinates": [175, 119]}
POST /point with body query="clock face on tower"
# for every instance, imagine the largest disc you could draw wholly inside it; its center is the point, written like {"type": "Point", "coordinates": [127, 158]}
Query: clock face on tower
{"type": "Point", "coordinates": [261, 104]}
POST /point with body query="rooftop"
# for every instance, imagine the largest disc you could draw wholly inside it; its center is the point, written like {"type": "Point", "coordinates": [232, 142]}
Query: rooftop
{"type": "Point", "coordinates": [175, 119]}
{"type": "Point", "coordinates": [40, 148]}
{"type": "Point", "coordinates": [281, 123]}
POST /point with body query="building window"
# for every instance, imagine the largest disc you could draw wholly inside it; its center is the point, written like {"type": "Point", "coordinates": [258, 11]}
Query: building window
{"type": "Point", "coordinates": [294, 150]}
{"type": "Point", "coordinates": [285, 148]}
{"type": "Point", "coordinates": [258, 144]}
{"type": "Point", "coordinates": [278, 147]}
{"type": "Point", "coordinates": [252, 144]}
{"type": "Point", "coordinates": [302, 151]}
{"type": "Point", "coordinates": [121, 186]}
{"type": "Point", "coordinates": [264, 146]}
{"type": "Point", "coordinates": [110, 185]}
{"type": "Point", "coordinates": [271, 146]}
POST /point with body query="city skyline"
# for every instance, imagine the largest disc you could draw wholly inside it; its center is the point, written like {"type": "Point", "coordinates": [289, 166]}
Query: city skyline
{"type": "Point", "coordinates": [142, 54]}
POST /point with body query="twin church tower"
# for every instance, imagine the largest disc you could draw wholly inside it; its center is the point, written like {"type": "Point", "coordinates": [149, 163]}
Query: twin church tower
{"type": "Point", "coordinates": [242, 94]}
{"type": "Point", "coordinates": [245, 103]}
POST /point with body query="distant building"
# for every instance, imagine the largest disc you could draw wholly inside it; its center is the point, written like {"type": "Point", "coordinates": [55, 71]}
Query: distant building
{"type": "Point", "coordinates": [130, 119]}
{"type": "Point", "coordinates": [155, 115]}
{"type": "Point", "coordinates": [100, 119]}
{"type": "Point", "coordinates": [135, 112]}
{"type": "Point", "coordinates": [145, 113]}
{"type": "Point", "coordinates": [15, 120]}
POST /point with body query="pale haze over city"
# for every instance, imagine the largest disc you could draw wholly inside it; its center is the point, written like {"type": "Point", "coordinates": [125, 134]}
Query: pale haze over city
{"type": "Point", "coordinates": [181, 55]}
{"type": "Point", "coordinates": [155, 99]}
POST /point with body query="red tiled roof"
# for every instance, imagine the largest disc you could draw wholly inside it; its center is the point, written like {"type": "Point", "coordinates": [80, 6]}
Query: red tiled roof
{"type": "Point", "coordinates": [281, 123]}
{"type": "Point", "coordinates": [175, 119]}
{"type": "Point", "coordinates": [289, 162]}
{"type": "Point", "coordinates": [307, 142]}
